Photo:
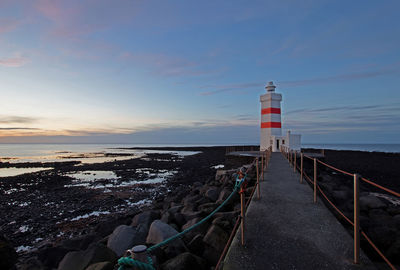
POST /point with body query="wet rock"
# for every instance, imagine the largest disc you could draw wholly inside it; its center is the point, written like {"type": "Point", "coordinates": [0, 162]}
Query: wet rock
{"type": "Point", "coordinates": [79, 260]}
{"type": "Point", "coordinates": [393, 253]}
{"type": "Point", "coordinates": [145, 218]}
{"type": "Point", "coordinates": [8, 256]}
{"type": "Point", "coordinates": [185, 261]}
{"type": "Point", "coordinates": [101, 266]}
{"type": "Point", "coordinates": [125, 237]}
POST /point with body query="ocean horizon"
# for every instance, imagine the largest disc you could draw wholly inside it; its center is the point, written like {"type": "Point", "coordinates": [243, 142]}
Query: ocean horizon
{"type": "Point", "coordinates": [37, 151]}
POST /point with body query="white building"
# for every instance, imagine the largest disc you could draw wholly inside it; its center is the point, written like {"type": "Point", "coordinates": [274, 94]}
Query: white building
{"type": "Point", "coordinates": [271, 125]}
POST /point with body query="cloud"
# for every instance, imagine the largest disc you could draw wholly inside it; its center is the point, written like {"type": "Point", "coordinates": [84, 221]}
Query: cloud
{"type": "Point", "coordinates": [359, 118]}
{"type": "Point", "coordinates": [13, 62]}
{"type": "Point", "coordinates": [9, 119]}
{"type": "Point", "coordinates": [229, 88]}
{"type": "Point", "coordinates": [337, 78]}
{"type": "Point", "coordinates": [165, 65]}
{"type": "Point", "coordinates": [18, 128]}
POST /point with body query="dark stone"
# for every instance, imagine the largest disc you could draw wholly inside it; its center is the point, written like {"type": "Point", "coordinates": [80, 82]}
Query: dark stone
{"type": "Point", "coordinates": [51, 256]}
{"type": "Point", "coordinates": [212, 193]}
{"type": "Point", "coordinates": [196, 245]}
{"type": "Point", "coordinates": [145, 218]}
{"type": "Point", "coordinates": [79, 260]}
{"type": "Point", "coordinates": [393, 253]}
{"type": "Point", "coordinates": [185, 261]}
{"type": "Point", "coordinates": [371, 202]}
{"type": "Point", "coordinates": [8, 256]}
{"type": "Point", "coordinates": [80, 243]}
{"type": "Point", "coordinates": [216, 239]}
{"type": "Point", "coordinates": [101, 266]}
{"type": "Point", "coordinates": [125, 237]}
{"type": "Point", "coordinates": [159, 231]}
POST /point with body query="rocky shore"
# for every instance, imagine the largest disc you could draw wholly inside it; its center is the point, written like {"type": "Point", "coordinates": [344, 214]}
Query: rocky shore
{"type": "Point", "coordinates": [193, 192]}
{"type": "Point", "coordinates": [379, 211]}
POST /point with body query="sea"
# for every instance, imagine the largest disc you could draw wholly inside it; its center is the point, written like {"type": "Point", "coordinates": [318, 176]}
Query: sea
{"type": "Point", "coordinates": [16, 153]}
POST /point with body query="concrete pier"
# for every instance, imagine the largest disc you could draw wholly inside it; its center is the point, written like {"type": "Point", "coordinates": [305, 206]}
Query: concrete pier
{"type": "Point", "coordinates": [285, 229]}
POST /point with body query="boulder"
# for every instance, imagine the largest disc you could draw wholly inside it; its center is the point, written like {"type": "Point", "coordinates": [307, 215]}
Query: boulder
{"type": "Point", "coordinates": [51, 256]}
{"type": "Point", "coordinates": [185, 261]}
{"type": "Point", "coordinates": [189, 200]}
{"type": "Point", "coordinates": [215, 240]}
{"type": "Point", "coordinates": [371, 202]}
{"type": "Point", "coordinates": [207, 208]}
{"type": "Point", "coordinates": [212, 193]}
{"type": "Point", "coordinates": [8, 256]}
{"type": "Point", "coordinates": [79, 260]}
{"type": "Point", "coordinates": [196, 245]}
{"type": "Point", "coordinates": [159, 231]}
{"type": "Point", "coordinates": [80, 243]}
{"type": "Point", "coordinates": [101, 266]}
{"type": "Point", "coordinates": [199, 229]}
{"type": "Point", "coordinates": [223, 223]}
{"type": "Point", "coordinates": [125, 237]}
{"type": "Point", "coordinates": [145, 218]}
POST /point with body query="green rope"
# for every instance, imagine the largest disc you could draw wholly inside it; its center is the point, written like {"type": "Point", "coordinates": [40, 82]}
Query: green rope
{"type": "Point", "coordinates": [127, 261]}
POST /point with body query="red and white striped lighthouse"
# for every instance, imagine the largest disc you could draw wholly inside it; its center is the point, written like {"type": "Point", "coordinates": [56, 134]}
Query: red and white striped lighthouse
{"type": "Point", "coordinates": [270, 118]}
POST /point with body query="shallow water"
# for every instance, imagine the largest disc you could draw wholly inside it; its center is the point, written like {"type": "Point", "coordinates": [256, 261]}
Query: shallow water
{"type": "Point", "coordinates": [12, 171]}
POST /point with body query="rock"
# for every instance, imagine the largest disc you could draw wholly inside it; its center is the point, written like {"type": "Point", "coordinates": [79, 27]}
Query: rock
{"type": "Point", "coordinates": [31, 263]}
{"type": "Point", "coordinates": [185, 261]}
{"type": "Point", "coordinates": [101, 266]}
{"type": "Point", "coordinates": [175, 209]}
{"type": "Point", "coordinates": [79, 260]}
{"type": "Point", "coordinates": [196, 245]}
{"type": "Point", "coordinates": [51, 256]}
{"type": "Point", "coordinates": [340, 195]}
{"type": "Point", "coordinates": [145, 219]}
{"type": "Point", "coordinates": [393, 210]}
{"type": "Point", "coordinates": [125, 237]}
{"type": "Point", "coordinates": [106, 227]}
{"type": "Point", "coordinates": [179, 219]}
{"type": "Point", "coordinates": [208, 207]}
{"type": "Point", "coordinates": [371, 202]}
{"type": "Point", "coordinates": [200, 229]}
{"type": "Point", "coordinates": [215, 239]}
{"type": "Point", "coordinates": [223, 195]}
{"type": "Point", "coordinates": [8, 256]}
{"type": "Point", "coordinates": [222, 222]}
{"type": "Point", "coordinates": [212, 193]}
{"type": "Point", "coordinates": [167, 217]}
{"type": "Point", "coordinates": [159, 231]}
{"type": "Point", "coordinates": [80, 243]}
{"type": "Point", "coordinates": [393, 253]}
{"type": "Point", "coordinates": [189, 213]}
{"type": "Point", "coordinates": [189, 200]}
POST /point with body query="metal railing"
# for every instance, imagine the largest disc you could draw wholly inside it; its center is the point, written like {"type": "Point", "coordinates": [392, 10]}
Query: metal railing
{"type": "Point", "coordinates": [261, 165]}
{"type": "Point", "coordinates": [291, 156]}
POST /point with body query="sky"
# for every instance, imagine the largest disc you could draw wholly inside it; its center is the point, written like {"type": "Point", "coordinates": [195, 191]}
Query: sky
{"type": "Point", "coordinates": [95, 71]}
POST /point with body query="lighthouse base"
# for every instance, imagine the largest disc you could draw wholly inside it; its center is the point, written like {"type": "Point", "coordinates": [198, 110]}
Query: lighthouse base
{"type": "Point", "coordinates": [291, 141]}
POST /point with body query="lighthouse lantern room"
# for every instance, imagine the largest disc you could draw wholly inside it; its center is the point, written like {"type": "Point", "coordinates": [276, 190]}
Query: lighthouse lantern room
{"type": "Point", "coordinates": [271, 124]}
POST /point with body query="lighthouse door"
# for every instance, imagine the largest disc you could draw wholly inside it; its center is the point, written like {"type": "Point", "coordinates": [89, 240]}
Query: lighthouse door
{"type": "Point", "coordinates": [277, 144]}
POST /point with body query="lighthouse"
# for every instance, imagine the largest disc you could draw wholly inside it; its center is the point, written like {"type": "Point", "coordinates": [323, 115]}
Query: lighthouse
{"type": "Point", "coordinates": [271, 124]}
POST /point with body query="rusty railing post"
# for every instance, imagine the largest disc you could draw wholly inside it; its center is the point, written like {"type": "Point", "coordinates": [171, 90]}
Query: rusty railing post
{"type": "Point", "coordinates": [242, 212]}
{"type": "Point", "coordinates": [315, 180]}
{"type": "Point", "coordinates": [295, 162]}
{"type": "Point", "coordinates": [262, 166]}
{"type": "Point", "coordinates": [356, 219]}
{"type": "Point", "coordinates": [258, 180]}
{"type": "Point", "coordinates": [301, 168]}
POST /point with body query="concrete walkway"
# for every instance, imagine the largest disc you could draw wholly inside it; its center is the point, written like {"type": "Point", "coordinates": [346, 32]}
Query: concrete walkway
{"type": "Point", "coordinates": [286, 230]}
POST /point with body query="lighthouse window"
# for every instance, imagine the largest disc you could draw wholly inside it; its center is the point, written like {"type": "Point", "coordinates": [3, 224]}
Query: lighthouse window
{"type": "Point", "coordinates": [283, 141]}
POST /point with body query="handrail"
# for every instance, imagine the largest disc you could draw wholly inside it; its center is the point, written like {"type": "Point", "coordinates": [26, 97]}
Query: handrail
{"type": "Point", "coordinates": [340, 212]}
